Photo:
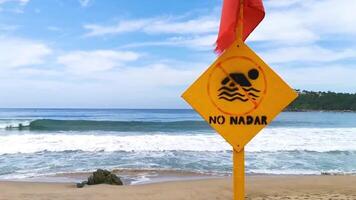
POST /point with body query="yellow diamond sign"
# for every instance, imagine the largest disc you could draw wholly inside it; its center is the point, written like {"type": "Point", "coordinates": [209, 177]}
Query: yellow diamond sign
{"type": "Point", "coordinates": [239, 95]}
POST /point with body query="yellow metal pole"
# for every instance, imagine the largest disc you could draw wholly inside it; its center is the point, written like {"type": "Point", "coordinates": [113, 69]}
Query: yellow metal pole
{"type": "Point", "coordinates": [240, 21]}
{"type": "Point", "coordinates": [239, 157]}
{"type": "Point", "coordinates": [239, 175]}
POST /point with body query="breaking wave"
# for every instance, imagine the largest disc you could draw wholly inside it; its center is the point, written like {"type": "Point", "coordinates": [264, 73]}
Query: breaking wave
{"type": "Point", "coordinates": [122, 126]}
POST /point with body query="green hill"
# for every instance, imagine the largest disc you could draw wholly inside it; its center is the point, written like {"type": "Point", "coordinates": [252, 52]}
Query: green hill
{"type": "Point", "coordinates": [326, 101]}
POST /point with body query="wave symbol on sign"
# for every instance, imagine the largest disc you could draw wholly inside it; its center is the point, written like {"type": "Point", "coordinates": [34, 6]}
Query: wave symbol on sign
{"type": "Point", "coordinates": [229, 90]}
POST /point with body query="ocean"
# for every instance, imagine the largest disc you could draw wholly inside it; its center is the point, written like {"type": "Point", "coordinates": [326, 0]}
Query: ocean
{"type": "Point", "coordinates": [43, 142]}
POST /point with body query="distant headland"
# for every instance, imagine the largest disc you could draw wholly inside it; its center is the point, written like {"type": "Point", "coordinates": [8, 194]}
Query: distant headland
{"type": "Point", "coordinates": [323, 101]}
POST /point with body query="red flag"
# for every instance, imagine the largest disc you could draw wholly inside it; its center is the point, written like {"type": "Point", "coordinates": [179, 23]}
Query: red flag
{"type": "Point", "coordinates": [254, 13]}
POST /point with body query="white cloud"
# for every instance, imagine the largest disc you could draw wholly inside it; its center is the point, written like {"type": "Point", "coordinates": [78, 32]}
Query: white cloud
{"type": "Point", "coordinates": [335, 78]}
{"type": "Point", "coordinates": [197, 42]}
{"type": "Point", "coordinates": [22, 2]}
{"type": "Point", "coordinates": [199, 33]}
{"type": "Point", "coordinates": [281, 3]}
{"type": "Point", "coordinates": [84, 3]}
{"type": "Point", "coordinates": [17, 52]}
{"type": "Point", "coordinates": [193, 26]}
{"type": "Point", "coordinates": [331, 16]}
{"type": "Point", "coordinates": [156, 26]}
{"type": "Point", "coordinates": [157, 75]}
{"type": "Point", "coordinates": [284, 27]}
{"type": "Point", "coordinates": [287, 21]}
{"type": "Point", "coordinates": [18, 8]}
{"type": "Point", "coordinates": [200, 42]}
{"type": "Point", "coordinates": [207, 41]}
{"type": "Point", "coordinates": [306, 54]}
{"type": "Point", "coordinates": [307, 21]}
{"type": "Point", "coordinates": [156, 85]}
{"type": "Point", "coordinates": [121, 27]}
{"type": "Point", "coordinates": [93, 61]}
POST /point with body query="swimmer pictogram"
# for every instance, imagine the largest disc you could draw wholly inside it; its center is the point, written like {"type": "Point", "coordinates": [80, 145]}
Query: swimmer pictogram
{"type": "Point", "coordinates": [238, 86]}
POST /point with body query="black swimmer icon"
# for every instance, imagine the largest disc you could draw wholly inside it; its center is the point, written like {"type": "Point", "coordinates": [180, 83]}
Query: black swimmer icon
{"type": "Point", "coordinates": [229, 90]}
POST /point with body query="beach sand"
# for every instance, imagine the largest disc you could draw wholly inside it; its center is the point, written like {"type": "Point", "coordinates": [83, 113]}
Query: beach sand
{"type": "Point", "coordinates": [257, 187]}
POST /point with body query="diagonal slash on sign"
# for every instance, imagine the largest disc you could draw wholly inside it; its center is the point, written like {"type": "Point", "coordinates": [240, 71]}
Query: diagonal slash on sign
{"type": "Point", "coordinates": [238, 86]}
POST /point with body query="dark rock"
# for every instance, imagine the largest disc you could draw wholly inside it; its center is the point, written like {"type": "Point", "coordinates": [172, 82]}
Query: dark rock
{"type": "Point", "coordinates": [104, 176]}
{"type": "Point", "coordinates": [100, 176]}
{"type": "Point", "coordinates": [91, 180]}
{"type": "Point", "coordinates": [82, 184]}
{"type": "Point", "coordinates": [112, 179]}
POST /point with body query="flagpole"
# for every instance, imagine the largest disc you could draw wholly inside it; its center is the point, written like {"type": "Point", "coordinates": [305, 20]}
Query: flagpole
{"type": "Point", "coordinates": [240, 21]}
{"type": "Point", "coordinates": [239, 157]}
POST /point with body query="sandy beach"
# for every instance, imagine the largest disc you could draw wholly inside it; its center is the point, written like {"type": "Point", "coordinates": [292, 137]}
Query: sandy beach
{"type": "Point", "coordinates": [258, 187]}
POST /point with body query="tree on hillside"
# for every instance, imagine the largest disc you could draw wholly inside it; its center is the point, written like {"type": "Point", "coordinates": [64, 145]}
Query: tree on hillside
{"type": "Point", "coordinates": [309, 100]}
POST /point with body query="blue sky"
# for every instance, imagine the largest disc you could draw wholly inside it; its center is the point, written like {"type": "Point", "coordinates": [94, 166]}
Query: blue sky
{"type": "Point", "coordinates": [144, 53]}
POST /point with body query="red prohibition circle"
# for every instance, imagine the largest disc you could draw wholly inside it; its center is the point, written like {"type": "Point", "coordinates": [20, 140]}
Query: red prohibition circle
{"type": "Point", "coordinates": [256, 103]}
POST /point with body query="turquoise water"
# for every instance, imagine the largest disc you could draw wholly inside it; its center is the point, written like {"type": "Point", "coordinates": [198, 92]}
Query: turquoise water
{"type": "Point", "coordinates": [36, 142]}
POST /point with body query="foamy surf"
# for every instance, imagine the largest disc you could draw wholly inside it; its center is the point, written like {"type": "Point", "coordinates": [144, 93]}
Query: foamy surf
{"type": "Point", "coordinates": [81, 140]}
{"type": "Point", "coordinates": [270, 140]}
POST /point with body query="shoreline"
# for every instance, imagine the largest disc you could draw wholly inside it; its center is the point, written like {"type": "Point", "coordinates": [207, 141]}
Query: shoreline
{"type": "Point", "coordinates": [257, 187]}
{"type": "Point", "coordinates": [149, 176]}
{"type": "Point", "coordinates": [128, 176]}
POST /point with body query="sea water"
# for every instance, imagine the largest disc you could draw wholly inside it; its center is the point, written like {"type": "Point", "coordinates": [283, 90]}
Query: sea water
{"type": "Point", "coordinates": [38, 142]}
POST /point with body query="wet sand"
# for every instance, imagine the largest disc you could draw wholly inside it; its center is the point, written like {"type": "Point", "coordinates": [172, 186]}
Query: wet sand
{"type": "Point", "coordinates": [257, 187]}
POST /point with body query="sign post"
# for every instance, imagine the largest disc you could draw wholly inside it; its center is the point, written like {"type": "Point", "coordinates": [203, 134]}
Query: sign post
{"type": "Point", "coordinates": [239, 95]}
{"type": "Point", "coordinates": [239, 174]}
{"type": "Point", "coordinates": [239, 156]}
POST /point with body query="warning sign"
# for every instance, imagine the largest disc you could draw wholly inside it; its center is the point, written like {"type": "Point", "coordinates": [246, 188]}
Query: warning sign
{"type": "Point", "coordinates": [239, 95]}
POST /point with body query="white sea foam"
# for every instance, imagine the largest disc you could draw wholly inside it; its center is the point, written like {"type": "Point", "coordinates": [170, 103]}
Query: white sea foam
{"type": "Point", "coordinates": [30, 143]}
{"type": "Point", "coordinates": [309, 139]}
{"type": "Point", "coordinates": [13, 123]}
{"type": "Point", "coordinates": [271, 139]}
